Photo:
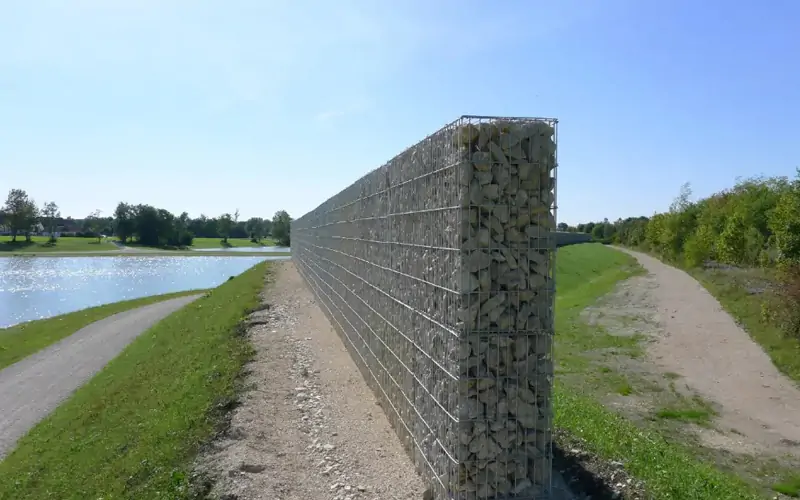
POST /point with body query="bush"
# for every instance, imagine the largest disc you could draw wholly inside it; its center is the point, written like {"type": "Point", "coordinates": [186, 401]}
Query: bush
{"type": "Point", "coordinates": [784, 222]}
{"type": "Point", "coordinates": [786, 312]}
{"type": "Point", "coordinates": [695, 251]}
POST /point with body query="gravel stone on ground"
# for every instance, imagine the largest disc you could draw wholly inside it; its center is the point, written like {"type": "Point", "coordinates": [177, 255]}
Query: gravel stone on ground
{"type": "Point", "coordinates": [308, 426]}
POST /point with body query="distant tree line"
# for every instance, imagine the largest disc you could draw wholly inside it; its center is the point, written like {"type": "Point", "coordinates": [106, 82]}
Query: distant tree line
{"type": "Point", "coordinates": [144, 224]}
{"type": "Point", "coordinates": [754, 224]}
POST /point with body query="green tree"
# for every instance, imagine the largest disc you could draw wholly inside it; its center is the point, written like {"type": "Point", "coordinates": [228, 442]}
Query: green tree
{"type": "Point", "coordinates": [95, 224]}
{"type": "Point", "coordinates": [225, 225]}
{"type": "Point", "coordinates": [49, 216]}
{"type": "Point", "coordinates": [124, 223]}
{"type": "Point", "coordinates": [282, 228]}
{"type": "Point", "coordinates": [148, 225]}
{"type": "Point", "coordinates": [255, 228]}
{"type": "Point", "coordinates": [184, 237]}
{"type": "Point", "coordinates": [20, 213]}
{"type": "Point", "coordinates": [784, 222]}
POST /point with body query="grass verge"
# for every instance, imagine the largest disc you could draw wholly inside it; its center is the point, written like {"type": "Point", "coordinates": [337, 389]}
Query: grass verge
{"type": "Point", "coordinates": [154, 253]}
{"type": "Point", "coordinates": [208, 243]}
{"type": "Point", "coordinates": [232, 242]}
{"type": "Point", "coordinates": [133, 430]}
{"type": "Point", "coordinates": [670, 470]}
{"type": "Point", "coordinates": [41, 244]}
{"type": "Point", "coordinates": [24, 339]}
{"type": "Point", "coordinates": [790, 487]}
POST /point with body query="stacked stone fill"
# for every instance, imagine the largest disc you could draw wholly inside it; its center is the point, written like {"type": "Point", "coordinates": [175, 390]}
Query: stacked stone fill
{"type": "Point", "coordinates": [437, 271]}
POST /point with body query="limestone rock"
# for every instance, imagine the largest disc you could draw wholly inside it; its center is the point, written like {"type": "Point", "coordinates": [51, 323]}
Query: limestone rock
{"type": "Point", "coordinates": [437, 271]}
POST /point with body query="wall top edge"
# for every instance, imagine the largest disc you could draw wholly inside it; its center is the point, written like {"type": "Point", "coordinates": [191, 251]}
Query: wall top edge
{"type": "Point", "coordinates": [513, 118]}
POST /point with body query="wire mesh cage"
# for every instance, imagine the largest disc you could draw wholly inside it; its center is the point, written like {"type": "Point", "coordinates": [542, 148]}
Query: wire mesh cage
{"type": "Point", "coordinates": [437, 271]}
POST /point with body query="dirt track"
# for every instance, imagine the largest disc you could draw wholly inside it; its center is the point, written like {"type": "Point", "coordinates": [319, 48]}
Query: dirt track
{"type": "Point", "coordinates": [692, 336]}
{"type": "Point", "coordinates": [33, 387]}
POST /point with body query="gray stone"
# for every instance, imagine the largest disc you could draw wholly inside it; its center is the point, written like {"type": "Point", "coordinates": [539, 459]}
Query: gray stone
{"type": "Point", "coordinates": [436, 269]}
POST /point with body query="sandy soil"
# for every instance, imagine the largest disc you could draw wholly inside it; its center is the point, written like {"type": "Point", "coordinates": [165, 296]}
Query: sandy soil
{"type": "Point", "coordinates": [33, 387]}
{"type": "Point", "coordinates": [309, 427]}
{"type": "Point", "coordinates": [693, 337]}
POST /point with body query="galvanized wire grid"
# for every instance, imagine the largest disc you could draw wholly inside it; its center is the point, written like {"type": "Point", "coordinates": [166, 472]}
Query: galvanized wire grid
{"type": "Point", "coordinates": [457, 349]}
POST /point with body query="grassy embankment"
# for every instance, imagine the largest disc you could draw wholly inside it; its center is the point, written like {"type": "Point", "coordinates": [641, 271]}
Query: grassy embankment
{"type": "Point", "coordinates": [133, 430]}
{"type": "Point", "coordinates": [155, 253]}
{"type": "Point", "coordinates": [232, 243]}
{"type": "Point", "coordinates": [670, 469]}
{"type": "Point", "coordinates": [75, 247]}
{"type": "Point", "coordinates": [20, 341]}
{"type": "Point", "coordinates": [41, 244]}
{"type": "Point", "coordinates": [216, 243]}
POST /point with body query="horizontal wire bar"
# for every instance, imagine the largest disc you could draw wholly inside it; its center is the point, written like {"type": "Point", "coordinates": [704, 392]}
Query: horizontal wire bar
{"type": "Point", "coordinates": [384, 268]}
{"type": "Point", "coordinates": [392, 297]}
{"type": "Point", "coordinates": [410, 371]}
{"type": "Point", "coordinates": [316, 290]}
{"type": "Point", "coordinates": [388, 373]}
{"type": "Point", "coordinates": [402, 244]}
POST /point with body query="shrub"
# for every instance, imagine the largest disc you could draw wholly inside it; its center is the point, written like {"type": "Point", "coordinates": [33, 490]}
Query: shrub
{"type": "Point", "coordinates": [784, 222]}
{"type": "Point", "coordinates": [787, 309]}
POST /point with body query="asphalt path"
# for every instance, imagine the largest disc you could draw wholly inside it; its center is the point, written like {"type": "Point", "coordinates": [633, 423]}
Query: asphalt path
{"type": "Point", "coordinates": [33, 387]}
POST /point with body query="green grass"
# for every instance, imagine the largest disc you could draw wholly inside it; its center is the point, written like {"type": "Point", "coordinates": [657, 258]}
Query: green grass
{"type": "Point", "coordinates": [790, 487]}
{"type": "Point", "coordinates": [694, 409]}
{"type": "Point", "coordinates": [133, 430]}
{"type": "Point", "coordinates": [584, 273]}
{"type": "Point", "coordinates": [625, 389]}
{"type": "Point", "coordinates": [214, 243]}
{"type": "Point", "coordinates": [697, 415]}
{"type": "Point", "coordinates": [161, 253]}
{"type": "Point", "coordinates": [232, 242]}
{"type": "Point", "coordinates": [40, 244]}
{"type": "Point", "coordinates": [670, 470]}
{"type": "Point", "coordinates": [733, 290]}
{"type": "Point", "coordinates": [24, 339]}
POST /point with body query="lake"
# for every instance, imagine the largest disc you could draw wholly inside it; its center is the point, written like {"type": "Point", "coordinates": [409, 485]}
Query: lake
{"type": "Point", "coordinates": [41, 287]}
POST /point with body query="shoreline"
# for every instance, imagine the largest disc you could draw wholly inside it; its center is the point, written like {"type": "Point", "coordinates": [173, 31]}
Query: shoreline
{"type": "Point", "coordinates": [133, 429]}
{"type": "Point", "coordinates": [147, 253]}
{"type": "Point", "coordinates": [24, 339]}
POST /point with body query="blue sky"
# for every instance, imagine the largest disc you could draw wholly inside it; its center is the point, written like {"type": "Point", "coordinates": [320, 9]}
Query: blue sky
{"type": "Point", "coordinates": [266, 105]}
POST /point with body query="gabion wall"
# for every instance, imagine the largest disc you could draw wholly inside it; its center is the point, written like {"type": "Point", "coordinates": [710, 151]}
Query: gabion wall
{"type": "Point", "coordinates": [437, 271]}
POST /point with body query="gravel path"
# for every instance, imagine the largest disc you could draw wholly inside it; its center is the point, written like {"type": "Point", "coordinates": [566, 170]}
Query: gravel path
{"type": "Point", "coordinates": [718, 359]}
{"type": "Point", "coordinates": [309, 427]}
{"type": "Point", "coordinates": [33, 387]}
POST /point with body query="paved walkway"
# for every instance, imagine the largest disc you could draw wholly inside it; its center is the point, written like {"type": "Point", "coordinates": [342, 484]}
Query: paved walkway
{"type": "Point", "coordinates": [33, 387]}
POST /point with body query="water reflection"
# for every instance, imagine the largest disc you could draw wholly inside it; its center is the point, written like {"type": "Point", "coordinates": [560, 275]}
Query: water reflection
{"type": "Point", "coordinates": [40, 287]}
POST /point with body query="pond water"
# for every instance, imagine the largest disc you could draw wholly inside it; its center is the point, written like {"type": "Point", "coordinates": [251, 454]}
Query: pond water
{"type": "Point", "coordinates": [41, 287]}
{"type": "Point", "coordinates": [245, 249]}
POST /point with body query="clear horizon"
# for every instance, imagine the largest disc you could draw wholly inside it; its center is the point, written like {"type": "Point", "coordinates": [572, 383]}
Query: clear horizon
{"type": "Point", "coordinates": [267, 106]}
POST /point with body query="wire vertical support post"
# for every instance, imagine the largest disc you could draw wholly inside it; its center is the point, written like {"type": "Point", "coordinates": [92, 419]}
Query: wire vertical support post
{"type": "Point", "coordinates": [437, 270]}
